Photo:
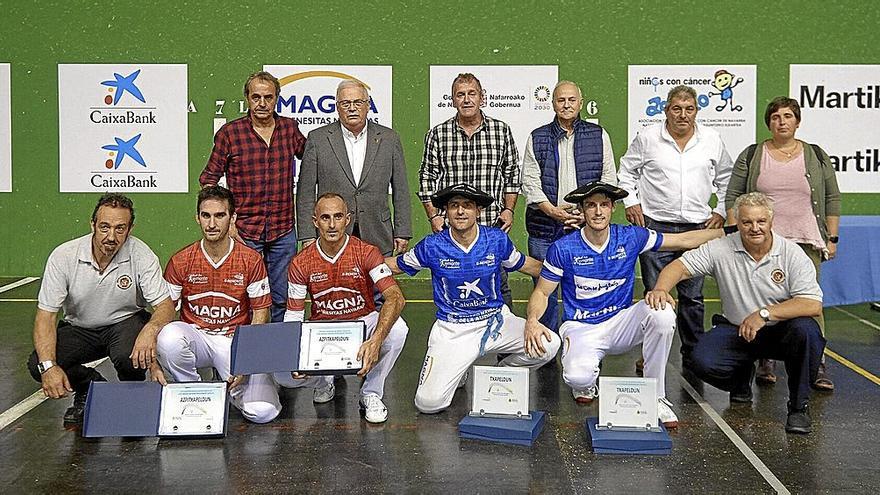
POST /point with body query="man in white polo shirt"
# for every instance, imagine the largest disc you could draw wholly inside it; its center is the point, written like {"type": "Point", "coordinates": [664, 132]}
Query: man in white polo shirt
{"type": "Point", "coordinates": [769, 297]}
{"type": "Point", "coordinates": [103, 282]}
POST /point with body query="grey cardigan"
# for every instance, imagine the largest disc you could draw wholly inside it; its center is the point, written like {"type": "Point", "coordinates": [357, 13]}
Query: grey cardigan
{"type": "Point", "coordinates": [824, 193]}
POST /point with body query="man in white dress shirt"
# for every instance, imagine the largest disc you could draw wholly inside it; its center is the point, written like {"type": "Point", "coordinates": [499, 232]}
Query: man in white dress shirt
{"type": "Point", "coordinates": [670, 171]}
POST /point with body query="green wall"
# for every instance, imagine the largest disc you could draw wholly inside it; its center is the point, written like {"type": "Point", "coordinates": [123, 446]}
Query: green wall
{"type": "Point", "coordinates": [591, 42]}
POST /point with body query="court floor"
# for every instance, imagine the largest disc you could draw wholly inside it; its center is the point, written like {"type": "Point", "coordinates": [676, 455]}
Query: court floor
{"type": "Point", "coordinates": [718, 447]}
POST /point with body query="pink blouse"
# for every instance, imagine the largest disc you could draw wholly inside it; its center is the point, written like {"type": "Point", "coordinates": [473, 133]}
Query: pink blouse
{"type": "Point", "coordinates": [786, 184]}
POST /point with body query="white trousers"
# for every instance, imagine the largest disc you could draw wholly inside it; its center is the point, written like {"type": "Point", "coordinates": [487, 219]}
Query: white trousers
{"type": "Point", "coordinates": [375, 379]}
{"type": "Point", "coordinates": [453, 348]}
{"type": "Point", "coordinates": [182, 349]}
{"type": "Point", "coordinates": [585, 345]}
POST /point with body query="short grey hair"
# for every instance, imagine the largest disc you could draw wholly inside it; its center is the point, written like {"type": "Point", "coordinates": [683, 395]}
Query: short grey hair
{"type": "Point", "coordinates": [564, 83]}
{"type": "Point", "coordinates": [683, 92]}
{"type": "Point", "coordinates": [753, 199]}
{"type": "Point", "coordinates": [352, 83]}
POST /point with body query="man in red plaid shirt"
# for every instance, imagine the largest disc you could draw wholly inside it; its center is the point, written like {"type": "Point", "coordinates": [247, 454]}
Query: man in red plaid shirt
{"type": "Point", "coordinates": [257, 155]}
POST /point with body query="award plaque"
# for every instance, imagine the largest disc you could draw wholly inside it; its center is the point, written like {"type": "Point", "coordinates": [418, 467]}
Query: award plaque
{"type": "Point", "coordinates": [501, 392]}
{"type": "Point", "coordinates": [628, 404]}
{"type": "Point", "coordinates": [196, 408]}
{"type": "Point", "coordinates": [330, 346]}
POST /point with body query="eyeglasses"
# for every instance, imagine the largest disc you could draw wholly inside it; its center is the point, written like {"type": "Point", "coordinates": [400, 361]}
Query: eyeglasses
{"type": "Point", "coordinates": [346, 104]}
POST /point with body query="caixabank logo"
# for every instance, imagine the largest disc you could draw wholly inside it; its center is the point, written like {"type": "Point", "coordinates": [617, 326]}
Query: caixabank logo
{"type": "Point", "coordinates": [123, 89]}
{"type": "Point", "coordinates": [123, 151]}
{"type": "Point", "coordinates": [122, 127]}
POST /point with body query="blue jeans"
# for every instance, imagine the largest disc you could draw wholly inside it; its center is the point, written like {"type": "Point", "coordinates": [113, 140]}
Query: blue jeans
{"type": "Point", "coordinates": [538, 249]}
{"type": "Point", "coordinates": [277, 255]}
{"type": "Point", "coordinates": [690, 292]}
{"type": "Point", "coordinates": [725, 360]}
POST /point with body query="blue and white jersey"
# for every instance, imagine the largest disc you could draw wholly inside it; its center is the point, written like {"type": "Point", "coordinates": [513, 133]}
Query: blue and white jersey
{"type": "Point", "coordinates": [467, 281]}
{"type": "Point", "coordinates": [597, 281]}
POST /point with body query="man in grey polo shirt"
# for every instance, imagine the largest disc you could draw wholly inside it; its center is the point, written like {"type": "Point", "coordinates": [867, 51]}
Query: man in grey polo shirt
{"type": "Point", "coordinates": [769, 297]}
{"type": "Point", "coordinates": [103, 281]}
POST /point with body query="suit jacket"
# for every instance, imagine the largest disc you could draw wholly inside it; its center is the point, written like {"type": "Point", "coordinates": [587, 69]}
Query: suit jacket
{"type": "Point", "coordinates": [325, 168]}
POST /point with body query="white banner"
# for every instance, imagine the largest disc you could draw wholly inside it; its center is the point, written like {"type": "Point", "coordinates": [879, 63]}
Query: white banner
{"type": "Point", "coordinates": [308, 92]}
{"type": "Point", "coordinates": [123, 127]}
{"type": "Point", "coordinates": [519, 95]}
{"type": "Point", "coordinates": [840, 111]}
{"type": "Point", "coordinates": [5, 129]}
{"type": "Point", "coordinates": [726, 96]}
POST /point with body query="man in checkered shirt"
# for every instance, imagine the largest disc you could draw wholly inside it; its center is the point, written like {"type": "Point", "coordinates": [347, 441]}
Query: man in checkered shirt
{"type": "Point", "coordinates": [257, 155]}
{"type": "Point", "coordinates": [471, 148]}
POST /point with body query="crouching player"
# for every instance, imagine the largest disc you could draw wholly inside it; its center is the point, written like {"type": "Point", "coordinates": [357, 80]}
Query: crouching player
{"type": "Point", "coordinates": [596, 267]}
{"type": "Point", "coordinates": [217, 284]}
{"type": "Point", "coordinates": [340, 272]}
{"type": "Point", "coordinates": [466, 262]}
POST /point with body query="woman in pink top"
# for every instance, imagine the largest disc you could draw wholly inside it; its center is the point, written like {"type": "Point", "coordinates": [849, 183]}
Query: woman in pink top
{"type": "Point", "coordinates": [800, 179]}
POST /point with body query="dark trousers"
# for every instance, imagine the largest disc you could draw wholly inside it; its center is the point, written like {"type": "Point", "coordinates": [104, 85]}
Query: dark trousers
{"type": "Point", "coordinates": [725, 360]}
{"type": "Point", "coordinates": [690, 310]}
{"type": "Point", "coordinates": [277, 255]}
{"type": "Point", "coordinates": [75, 346]}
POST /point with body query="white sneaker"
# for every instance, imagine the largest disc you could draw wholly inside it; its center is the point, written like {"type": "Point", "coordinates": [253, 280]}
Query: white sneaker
{"type": "Point", "coordinates": [585, 396]}
{"type": "Point", "coordinates": [324, 394]}
{"type": "Point", "coordinates": [464, 379]}
{"type": "Point", "coordinates": [666, 414]}
{"type": "Point", "coordinates": [374, 409]}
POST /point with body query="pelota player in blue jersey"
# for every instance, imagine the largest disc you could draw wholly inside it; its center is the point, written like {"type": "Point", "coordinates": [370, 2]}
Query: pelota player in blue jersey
{"type": "Point", "coordinates": [596, 267]}
{"type": "Point", "coordinates": [466, 260]}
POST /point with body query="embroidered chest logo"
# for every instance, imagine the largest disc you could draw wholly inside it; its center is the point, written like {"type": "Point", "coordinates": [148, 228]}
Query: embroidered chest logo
{"type": "Point", "coordinates": [236, 280]}
{"type": "Point", "coordinates": [318, 277]}
{"type": "Point", "coordinates": [583, 260]}
{"type": "Point", "coordinates": [620, 254]}
{"type": "Point", "coordinates": [355, 272]}
{"type": "Point", "coordinates": [196, 278]}
{"type": "Point", "coordinates": [777, 276]}
{"type": "Point", "coordinates": [448, 263]}
{"type": "Point", "coordinates": [123, 282]}
{"type": "Point", "coordinates": [488, 261]}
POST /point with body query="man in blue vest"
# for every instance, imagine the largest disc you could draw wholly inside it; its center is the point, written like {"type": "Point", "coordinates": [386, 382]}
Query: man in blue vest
{"type": "Point", "coordinates": [560, 157]}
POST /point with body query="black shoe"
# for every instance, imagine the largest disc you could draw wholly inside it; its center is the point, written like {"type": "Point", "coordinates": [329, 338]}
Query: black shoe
{"type": "Point", "coordinates": [74, 413]}
{"type": "Point", "coordinates": [798, 421]}
{"type": "Point", "coordinates": [743, 396]}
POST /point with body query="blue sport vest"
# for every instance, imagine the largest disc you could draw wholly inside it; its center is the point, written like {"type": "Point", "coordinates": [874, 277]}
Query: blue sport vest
{"type": "Point", "coordinates": [588, 168]}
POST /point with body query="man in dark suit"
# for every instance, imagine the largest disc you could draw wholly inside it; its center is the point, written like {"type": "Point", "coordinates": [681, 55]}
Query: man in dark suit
{"type": "Point", "coordinates": [358, 160]}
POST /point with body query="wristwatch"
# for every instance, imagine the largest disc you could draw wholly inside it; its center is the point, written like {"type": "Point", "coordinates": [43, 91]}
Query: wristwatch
{"type": "Point", "coordinates": [45, 365]}
{"type": "Point", "coordinates": [764, 313]}
{"type": "Point", "coordinates": [834, 239]}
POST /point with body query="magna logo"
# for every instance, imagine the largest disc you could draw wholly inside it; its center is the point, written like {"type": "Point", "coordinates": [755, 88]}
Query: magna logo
{"type": "Point", "coordinates": [322, 106]}
{"type": "Point", "coordinates": [215, 312]}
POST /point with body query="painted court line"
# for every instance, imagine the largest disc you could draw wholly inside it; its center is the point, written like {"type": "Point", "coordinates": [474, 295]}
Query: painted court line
{"type": "Point", "coordinates": [10, 415]}
{"type": "Point", "coordinates": [853, 366]}
{"type": "Point", "coordinates": [18, 283]}
{"type": "Point", "coordinates": [860, 320]}
{"type": "Point", "coordinates": [749, 454]}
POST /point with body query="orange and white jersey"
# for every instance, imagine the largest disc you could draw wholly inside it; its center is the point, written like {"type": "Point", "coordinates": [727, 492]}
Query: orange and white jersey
{"type": "Point", "coordinates": [217, 297]}
{"type": "Point", "coordinates": [341, 286]}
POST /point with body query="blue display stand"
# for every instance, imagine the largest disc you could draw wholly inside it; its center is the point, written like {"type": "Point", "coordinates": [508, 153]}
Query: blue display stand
{"type": "Point", "coordinates": [628, 442]}
{"type": "Point", "coordinates": [501, 430]}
